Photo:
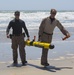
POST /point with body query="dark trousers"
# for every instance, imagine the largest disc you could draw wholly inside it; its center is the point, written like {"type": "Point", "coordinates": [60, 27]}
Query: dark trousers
{"type": "Point", "coordinates": [44, 56]}
{"type": "Point", "coordinates": [18, 41]}
{"type": "Point", "coordinates": [47, 39]}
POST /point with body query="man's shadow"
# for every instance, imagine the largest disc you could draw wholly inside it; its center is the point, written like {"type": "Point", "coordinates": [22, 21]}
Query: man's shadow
{"type": "Point", "coordinates": [49, 68]}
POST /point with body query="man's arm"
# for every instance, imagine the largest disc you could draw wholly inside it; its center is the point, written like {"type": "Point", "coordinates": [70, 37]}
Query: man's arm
{"type": "Point", "coordinates": [8, 29]}
{"type": "Point", "coordinates": [63, 30]}
{"type": "Point", "coordinates": [41, 29]}
{"type": "Point", "coordinates": [26, 30]}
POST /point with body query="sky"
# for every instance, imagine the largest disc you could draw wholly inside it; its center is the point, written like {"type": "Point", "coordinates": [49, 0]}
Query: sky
{"type": "Point", "coordinates": [36, 4]}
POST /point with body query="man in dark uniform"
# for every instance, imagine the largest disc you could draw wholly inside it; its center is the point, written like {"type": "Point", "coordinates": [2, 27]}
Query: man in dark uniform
{"type": "Point", "coordinates": [18, 38]}
{"type": "Point", "coordinates": [46, 31]}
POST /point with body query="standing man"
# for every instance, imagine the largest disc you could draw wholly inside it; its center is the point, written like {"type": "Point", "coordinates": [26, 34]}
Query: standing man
{"type": "Point", "coordinates": [46, 32]}
{"type": "Point", "coordinates": [18, 38]}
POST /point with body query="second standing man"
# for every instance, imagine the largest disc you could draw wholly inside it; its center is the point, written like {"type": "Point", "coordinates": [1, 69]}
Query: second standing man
{"type": "Point", "coordinates": [18, 38]}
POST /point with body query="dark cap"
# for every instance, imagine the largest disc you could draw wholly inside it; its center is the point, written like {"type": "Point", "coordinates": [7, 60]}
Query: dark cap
{"type": "Point", "coordinates": [17, 12]}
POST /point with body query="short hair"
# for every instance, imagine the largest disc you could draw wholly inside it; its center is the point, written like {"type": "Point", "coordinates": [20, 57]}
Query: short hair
{"type": "Point", "coordinates": [53, 11]}
{"type": "Point", "coordinates": [17, 13]}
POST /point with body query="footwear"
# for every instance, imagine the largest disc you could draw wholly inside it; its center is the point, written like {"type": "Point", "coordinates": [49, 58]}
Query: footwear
{"type": "Point", "coordinates": [24, 63]}
{"type": "Point", "coordinates": [15, 63]}
{"type": "Point", "coordinates": [45, 64]}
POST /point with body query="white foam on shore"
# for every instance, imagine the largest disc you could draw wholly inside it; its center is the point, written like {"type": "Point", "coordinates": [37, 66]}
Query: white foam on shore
{"type": "Point", "coordinates": [33, 19]}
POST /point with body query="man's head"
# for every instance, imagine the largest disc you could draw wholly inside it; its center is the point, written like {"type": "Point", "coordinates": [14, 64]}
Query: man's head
{"type": "Point", "coordinates": [17, 14]}
{"type": "Point", "coordinates": [53, 13]}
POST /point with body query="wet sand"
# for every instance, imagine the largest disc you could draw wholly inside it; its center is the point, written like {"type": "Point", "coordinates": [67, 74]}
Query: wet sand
{"type": "Point", "coordinates": [33, 67]}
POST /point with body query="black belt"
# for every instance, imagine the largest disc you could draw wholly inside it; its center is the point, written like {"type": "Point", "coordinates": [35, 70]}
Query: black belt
{"type": "Point", "coordinates": [47, 33]}
{"type": "Point", "coordinates": [17, 34]}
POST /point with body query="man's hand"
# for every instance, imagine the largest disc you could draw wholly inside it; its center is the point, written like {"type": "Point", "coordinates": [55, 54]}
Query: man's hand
{"type": "Point", "coordinates": [67, 36]}
{"type": "Point", "coordinates": [8, 36]}
{"type": "Point", "coordinates": [39, 39]}
{"type": "Point", "coordinates": [28, 38]}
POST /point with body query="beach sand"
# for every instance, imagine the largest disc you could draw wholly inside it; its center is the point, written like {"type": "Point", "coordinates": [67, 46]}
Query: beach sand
{"type": "Point", "coordinates": [33, 67]}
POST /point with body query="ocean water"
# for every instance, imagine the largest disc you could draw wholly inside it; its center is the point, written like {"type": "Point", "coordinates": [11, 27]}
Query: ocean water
{"type": "Point", "coordinates": [33, 20]}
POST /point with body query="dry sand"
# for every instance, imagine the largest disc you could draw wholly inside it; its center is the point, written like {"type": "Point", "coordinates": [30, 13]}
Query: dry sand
{"type": "Point", "coordinates": [57, 67]}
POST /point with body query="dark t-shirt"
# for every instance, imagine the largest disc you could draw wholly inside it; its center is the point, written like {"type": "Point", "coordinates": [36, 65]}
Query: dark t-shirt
{"type": "Point", "coordinates": [17, 26]}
